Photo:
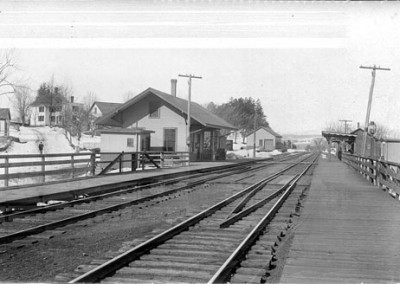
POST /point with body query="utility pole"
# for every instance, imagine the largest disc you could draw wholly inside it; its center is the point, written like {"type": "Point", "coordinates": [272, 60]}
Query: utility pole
{"type": "Point", "coordinates": [345, 124]}
{"type": "Point", "coordinates": [373, 68]}
{"type": "Point", "coordinates": [190, 76]}
{"type": "Point", "coordinates": [254, 134]}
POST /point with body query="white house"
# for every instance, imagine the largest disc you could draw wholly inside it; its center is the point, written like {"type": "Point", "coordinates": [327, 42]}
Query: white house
{"type": "Point", "coordinates": [166, 115]}
{"type": "Point", "coordinates": [41, 116]}
{"type": "Point", "coordinates": [266, 139]}
{"type": "Point", "coordinates": [5, 118]}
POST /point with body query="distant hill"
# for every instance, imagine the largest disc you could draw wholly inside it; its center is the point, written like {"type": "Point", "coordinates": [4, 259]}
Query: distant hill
{"type": "Point", "coordinates": [300, 137]}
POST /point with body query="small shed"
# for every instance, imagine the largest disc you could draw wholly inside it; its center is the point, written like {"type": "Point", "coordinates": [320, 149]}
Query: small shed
{"type": "Point", "coordinates": [266, 139]}
{"type": "Point", "coordinates": [125, 139]}
{"type": "Point", "coordinates": [118, 140]}
{"type": "Point", "coordinates": [5, 117]}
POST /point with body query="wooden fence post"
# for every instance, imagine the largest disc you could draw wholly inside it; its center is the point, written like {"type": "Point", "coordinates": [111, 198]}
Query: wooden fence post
{"type": "Point", "coordinates": [6, 171]}
{"type": "Point", "coordinates": [120, 161]}
{"type": "Point", "coordinates": [93, 163]}
{"type": "Point", "coordinates": [133, 162]}
{"type": "Point", "coordinates": [162, 159]}
{"type": "Point", "coordinates": [72, 165]}
{"type": "Point", "coordinates": [43, 169]}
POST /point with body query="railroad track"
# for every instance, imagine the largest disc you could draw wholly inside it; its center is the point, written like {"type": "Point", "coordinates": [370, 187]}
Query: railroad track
{"type": "Point", "coordinates": [14, 227]}
{"type": "Point", "coordinates": [232, 241]}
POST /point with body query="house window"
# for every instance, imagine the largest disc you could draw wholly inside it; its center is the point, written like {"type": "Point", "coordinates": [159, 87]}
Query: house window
{"type": "Point", "coordinates": [56, 109]}
{"type": "Point", "coordinates": [41, 118]}
{"type": "Point", "coordinates": [129, 142]}
{"type": "Point", "coordinates": [95, 110]}
{"type": "Point", "coordinates": [154, 110]}
{"type": "Point", "coordinates": [41, 109]}
{"type": "Point", "coordinates": [260, 142]}
{"type": "Point", "coordinates": [169, 139]}
{"type": "Point", "coordinates": [53, 118]}
{"type": "Point", "coordinates": [74, 108]}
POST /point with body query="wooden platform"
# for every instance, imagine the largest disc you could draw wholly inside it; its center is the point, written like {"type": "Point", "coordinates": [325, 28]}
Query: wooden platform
{"type": "Point", "coordinates": [65, 190]}
{"type": "Point", "coordinates": [348, 232]}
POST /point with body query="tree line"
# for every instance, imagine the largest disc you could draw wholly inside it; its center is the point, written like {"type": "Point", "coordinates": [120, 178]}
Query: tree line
{"type": "Point", "coordinates": [246, 114]}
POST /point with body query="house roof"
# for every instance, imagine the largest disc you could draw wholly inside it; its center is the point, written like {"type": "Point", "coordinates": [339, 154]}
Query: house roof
{"type": "Point", "coordinates": [197, 112]}
{"type": "Point", "coordinates": [106, 107]}
{"type": "Point", "coordinates": [5, 114]}
{"type": "Point", "coordinates": [339, 136]}
{"type": "Point", "coordinates": [268, 129]}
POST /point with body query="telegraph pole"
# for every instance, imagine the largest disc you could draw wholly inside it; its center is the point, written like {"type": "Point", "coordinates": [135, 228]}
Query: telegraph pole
{"type": "Point", "coordinates": [190, 76]}
{"type": "Point", "coordinates": [345, 124]}
{"type": "Point", "coordinates": [254, 135]}
{"type": "Point", "coordinates": [373, 68]}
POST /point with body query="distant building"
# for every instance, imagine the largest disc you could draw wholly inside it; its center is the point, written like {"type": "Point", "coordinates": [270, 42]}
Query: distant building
{"type": "Point", "coordinates": [266, 139]}
{"type": "Point", "coordinates": [390, 150]}
{"type": "Point", "coordinates": [166, 116]}
{"type": "Point", "coordinates": [373, 145]}
{"type": "Point", "coordinates": [5, 117]}
{"type": "Point", "coordinates": [99, 109]}
{"type": "Point", "coordinates": [44, 115]}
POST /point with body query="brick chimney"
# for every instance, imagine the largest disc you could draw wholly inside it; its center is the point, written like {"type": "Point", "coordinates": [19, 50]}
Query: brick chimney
{"type": "Point", "coordinates": [173, 87]}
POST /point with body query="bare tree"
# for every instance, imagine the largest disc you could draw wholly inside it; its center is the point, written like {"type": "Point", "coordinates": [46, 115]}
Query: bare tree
{"type": "Point", "coordinates": [319, 144]}
{"type": "Point", "coordinates": [128, 95]}
{"type": "Point", "coordinates": [21, 102]}
{"type": "Point", "coordinates": [381, 131]}
{"type": "Point", "coordinates": [89, 99]}
{"type": "Point", "coordinates": [334, 126]}
{"type": "Point", "coordinates": [7, 69]}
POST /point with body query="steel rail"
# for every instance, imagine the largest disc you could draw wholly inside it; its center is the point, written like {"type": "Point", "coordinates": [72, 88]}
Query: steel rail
{"type": "Point", "coordinates": [73, 219]}
{"type": "Point", "coordinates": [246, 199]}
{"type": "Point", "coordinates": [135, 253]}
{"type": "Point", "coordinates": [225, 271]}
{"type": "Point", "coordinates": [131, 188]}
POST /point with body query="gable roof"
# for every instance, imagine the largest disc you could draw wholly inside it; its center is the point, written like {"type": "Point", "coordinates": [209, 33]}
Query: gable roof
{"type": "Point", "coordinates": [268, 129]}
{"type": "Point", "coordinates": [106, 107]}
{"type": "Point", "coordinates": [197, 112]}
{"type": "Point", "coordinates": [5, 114]}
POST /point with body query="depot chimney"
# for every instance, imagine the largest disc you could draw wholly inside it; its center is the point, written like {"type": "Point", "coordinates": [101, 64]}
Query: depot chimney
{"type": "Point", "coordinates": [173, 87]}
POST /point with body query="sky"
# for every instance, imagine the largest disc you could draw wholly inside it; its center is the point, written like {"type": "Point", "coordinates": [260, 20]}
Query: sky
{"type": "Point", "coordinates": [300, 60]}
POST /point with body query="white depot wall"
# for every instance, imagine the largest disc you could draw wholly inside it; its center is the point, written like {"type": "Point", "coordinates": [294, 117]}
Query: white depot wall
{"type": "Point", "coordinates": [167, 119]}
{"type": "Point", "coordinates": [117, 142]}
{"type": "Point", "coordinates": [2, 127]}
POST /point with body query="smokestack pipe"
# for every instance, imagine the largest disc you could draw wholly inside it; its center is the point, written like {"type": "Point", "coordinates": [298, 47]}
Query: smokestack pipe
{"type": "Point", "coordinates": [173, 87]}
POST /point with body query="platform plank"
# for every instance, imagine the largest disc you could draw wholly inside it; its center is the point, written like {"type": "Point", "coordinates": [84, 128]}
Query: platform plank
{"type": "Point", "coordinates": [347, 233]}
{"type": "Point", "coordinates": [65, 190]}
